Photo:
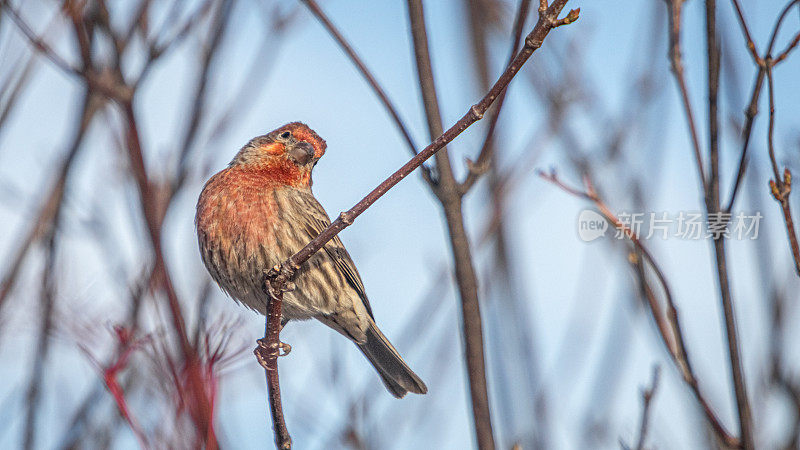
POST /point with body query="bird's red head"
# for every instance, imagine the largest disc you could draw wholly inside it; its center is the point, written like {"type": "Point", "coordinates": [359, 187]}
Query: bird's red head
{"type": "Point", "coordinates": [286, 155]}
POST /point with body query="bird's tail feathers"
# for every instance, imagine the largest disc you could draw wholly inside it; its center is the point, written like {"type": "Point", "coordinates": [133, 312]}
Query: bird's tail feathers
{"type": "Point", "coordinates": [395, 373]}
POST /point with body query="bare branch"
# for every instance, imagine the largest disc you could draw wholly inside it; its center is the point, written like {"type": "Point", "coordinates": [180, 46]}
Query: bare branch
{"type": "Point", "coordinates": [669, 327]}
{"type": "Point", "coordinates": [777, 28]}
{"type": "Point", "coordinates": [674, 7]}
{"type": "Point", "coordinates": [781, 187]}
{"type": "Point", "coordinates": [713, 207]}
{"type": "Point", "coordinates": [481, 164]}
{"type": "Point", "coordinates": [750, 114]}
{"type": "Point", "coordinates": [277, 279]}
{"type": "Point", "coordinates": [450, 198]}
{"type": "Point", "coordinates": [751, 46]}
{"type": "Point", "coordinates": [647, 399]}
{"type": "Point", "coordinates": [50, 206]}
{"type": "Point", "coordinates": [198, 105]}
{"type": "Point", "coordinates": [49, 228]}
{"type": "Point", "coordinates": [40, 45]}
{"type": "Point", "coordinates": [532, 42]}
{"type": "Point", "coordinates": [267, 353]}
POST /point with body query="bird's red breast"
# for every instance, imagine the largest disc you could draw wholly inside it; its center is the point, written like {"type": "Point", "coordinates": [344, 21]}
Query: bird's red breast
{"type": "Point", "coordinates": [238, 201]}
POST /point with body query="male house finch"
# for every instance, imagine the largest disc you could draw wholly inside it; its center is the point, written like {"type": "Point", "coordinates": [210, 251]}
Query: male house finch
{"type": "Point", "coordinates": [260, 211]}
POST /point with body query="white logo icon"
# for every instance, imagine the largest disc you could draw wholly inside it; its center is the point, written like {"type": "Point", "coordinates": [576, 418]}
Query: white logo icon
{"type": "Point", "coordinates": [591, 225]}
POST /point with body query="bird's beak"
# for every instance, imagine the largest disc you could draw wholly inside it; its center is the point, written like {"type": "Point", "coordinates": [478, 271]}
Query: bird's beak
{"type": "Point", "coordinates": [302, 153]}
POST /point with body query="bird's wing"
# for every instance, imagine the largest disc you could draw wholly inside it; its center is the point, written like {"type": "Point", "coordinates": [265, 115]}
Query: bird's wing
{"type": "Point", "coordinates": [316, 221]}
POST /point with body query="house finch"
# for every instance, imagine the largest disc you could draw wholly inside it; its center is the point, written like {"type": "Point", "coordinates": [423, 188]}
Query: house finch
{"type": "Point", "coordinates": [260, 211]}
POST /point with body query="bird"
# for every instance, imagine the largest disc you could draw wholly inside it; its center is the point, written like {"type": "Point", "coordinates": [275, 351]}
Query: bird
{"type": "Point", "coordinates": [259, 211]}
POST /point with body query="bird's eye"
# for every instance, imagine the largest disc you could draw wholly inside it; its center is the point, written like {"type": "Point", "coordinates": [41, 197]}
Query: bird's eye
{"type": "Point", "coordinates": [286, 135]}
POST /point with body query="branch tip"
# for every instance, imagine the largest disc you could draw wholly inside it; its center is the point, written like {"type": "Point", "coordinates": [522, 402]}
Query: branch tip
{"type": "Point", "coordinates": [571, 17]}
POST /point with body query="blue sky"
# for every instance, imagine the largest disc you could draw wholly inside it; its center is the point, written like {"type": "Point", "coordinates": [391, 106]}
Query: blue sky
{"type": "Point", "coordinates": [399, 243]}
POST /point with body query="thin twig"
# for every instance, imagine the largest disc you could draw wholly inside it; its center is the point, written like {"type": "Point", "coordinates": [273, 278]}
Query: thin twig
{"type": "Point", "coordinates": [49, 210]}
{"type": "Point", "coordinates": [11, 90]}
{"type": "Point", "coordinates": [647, 400]}
{"type": "Point", "coordinates": [751, 46]}
{"type": "Point", "coordinates": [77, 429]}
{"type": "Point", "coordinates": [777, 28]}
{"type": "Point", "coordinates": [480, 165]}
{"type": "Point", "coordinates": [781, 187]}
{"type": "Point", "coordinates": [750, 114]}
{"type": "Point", "coordinates": [127, 344]}
{"type": "Point", "coordinates": [256, 74]}
{"type": "Point", "coordinates": [782, 55]}
{"type": "Point", "coordinates": [49, 228]}
{"type": "Point", "coordinates": [713, 207]}
{"type": "Point", "coordinates": [198, 105]}
{"type": "Point", "coordinates": [676, 64]}
{"type": "Point", "coordinates": [42, 350]}
{"type": "Point", "coordinates": [517, 329]}
{"type": "Point", "coordinates": [267, 354]}
{"type": "Point", "coordinates": [670, 328]}
{"type": "Point", "coordinates": [38, 43]}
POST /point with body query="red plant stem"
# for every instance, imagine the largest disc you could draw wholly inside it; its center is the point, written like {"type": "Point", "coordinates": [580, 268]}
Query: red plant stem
{"type": "Point", "coordinates": [112, 384]}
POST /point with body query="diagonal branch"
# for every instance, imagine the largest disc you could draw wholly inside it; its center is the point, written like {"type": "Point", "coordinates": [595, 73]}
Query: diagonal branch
{"type": "Point", "coordinates": [198, 109]}
{"type": "Point", "coordinates": [153, 220]}
{"type": "Point", "coordinates": [475, 113]}
{"type": "Point", "coordinates": [750, 114]}
{"type": "Point", "coordinates": [669, 326]}
{"type": "Point", "coordinates": [50, 207]}
{"type": "Point", "coordinates": [38, 43]}
{"type": "Point", "coordinates": [278, 278]}
{"type": "Point", "coordinates": [751, 46]}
